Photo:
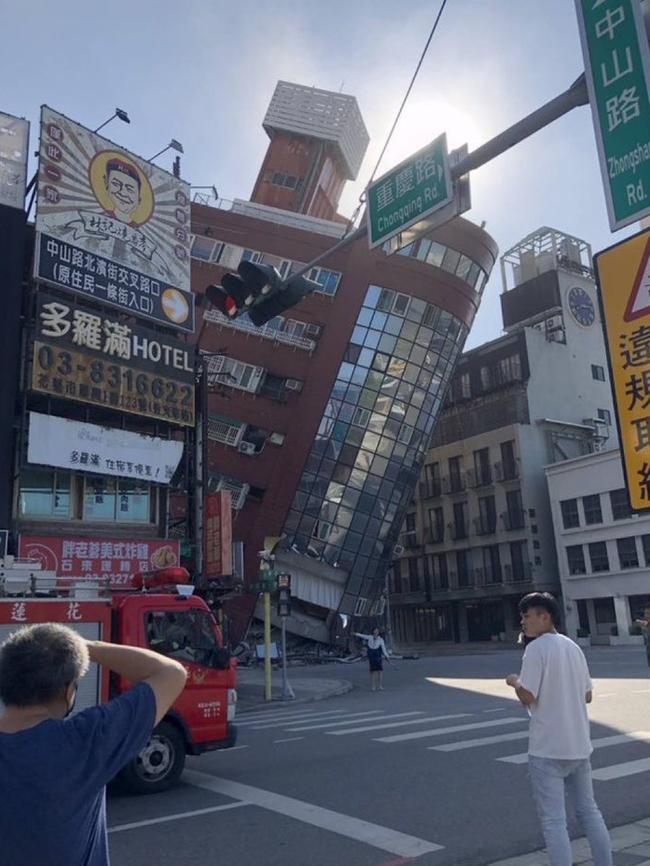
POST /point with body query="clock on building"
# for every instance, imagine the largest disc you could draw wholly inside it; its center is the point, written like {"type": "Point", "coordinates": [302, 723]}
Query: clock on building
{"type": "Point", "coordinates": [581, 306]}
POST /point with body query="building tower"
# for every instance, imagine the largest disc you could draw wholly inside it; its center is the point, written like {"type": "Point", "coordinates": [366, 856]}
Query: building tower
{"type": "Point", "coordinates": [318, 141]}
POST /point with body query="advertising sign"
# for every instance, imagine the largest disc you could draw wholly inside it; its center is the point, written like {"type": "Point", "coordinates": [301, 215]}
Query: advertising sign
{"type": "Point", "coordinates": [92, 358]}
{"type": "Point", "coordinates": [104, 450]}
{"type": "Point", "coordinates": [624, 280]}
{"type": "Point", "coordinates": [14, 144]}
{"type": "Point", "coordinates": [113, 559]}
{"type": "Point", "coordinates": [218, 534]}
{"type": "Point", "coordinates": [112, 226]}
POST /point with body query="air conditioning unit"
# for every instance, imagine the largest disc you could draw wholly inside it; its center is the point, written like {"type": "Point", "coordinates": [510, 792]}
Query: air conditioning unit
{"type": "Point", "coordinates": [398, 550]}
{"type": "Point", "coordinates": [293, 384]}
{"type": "Point", "coordinates": [247, 448]}
{"type": "Point", "coordinates": [312, 330]}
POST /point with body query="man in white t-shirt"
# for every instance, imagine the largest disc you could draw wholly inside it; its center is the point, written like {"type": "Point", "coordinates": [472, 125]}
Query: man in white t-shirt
{"type": "Point", "coordinates": [554, 685]}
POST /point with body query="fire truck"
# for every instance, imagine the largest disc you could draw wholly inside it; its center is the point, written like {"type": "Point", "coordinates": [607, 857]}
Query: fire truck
{"type": "Point", "coordinates": [158, 611]}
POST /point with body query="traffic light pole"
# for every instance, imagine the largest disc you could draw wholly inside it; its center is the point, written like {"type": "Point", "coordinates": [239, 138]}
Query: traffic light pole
{"type": "Point", "coordinates": [551, 111]}
{"type": "Point", "coordinates": [287, 692]}
{"type": "Point", "coordinates": [268, 690]}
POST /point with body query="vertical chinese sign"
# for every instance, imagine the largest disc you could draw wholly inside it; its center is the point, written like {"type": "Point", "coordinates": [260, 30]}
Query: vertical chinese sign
{"type": "Point", "coordinates": [112, 226]}
{"type": "Point", "coordinates": [624, 279]}
{"type": "Point", "coordinates": [218, 535]}
{"type": "Point", "coordinates": [617, 66]}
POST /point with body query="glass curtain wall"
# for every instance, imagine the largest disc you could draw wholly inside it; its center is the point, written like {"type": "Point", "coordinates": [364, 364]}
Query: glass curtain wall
{"type": "Point", "coordinates": [366, 458]}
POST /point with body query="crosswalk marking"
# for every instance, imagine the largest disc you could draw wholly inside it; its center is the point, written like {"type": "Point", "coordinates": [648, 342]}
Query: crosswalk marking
{"type": "Point", "coordinates": [480, 741]}
{"type": "Point", "coordinates": [436, 732]}
{"type": "Point", "coordinates": [599, 743]}
{"type": "Point", "coordinates": [381, 725]}
{"type": "Point", "coordinates": [617, 771]}
{"type": "Point", "coordinates": [348, 721]}
{"type": "Point", "coordinates": [296, 714]}
{"type": "Point", "coordinates": [287, 724]}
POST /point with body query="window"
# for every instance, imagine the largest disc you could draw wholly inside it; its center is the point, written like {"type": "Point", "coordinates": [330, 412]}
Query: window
{"type": "Point", "coordinates": [455, 479]}
{"type": "Point", "coordinates": [413, 575]}
{"type": "Point", "coordinates": [235, 374]}
{"type": "Point", "coordinates": [440, 574]}
{"type": "Point", "coordinates": [492, 564]}
{"type": "Point", "coordinates": [598, 556]}
{"type": "Point", "coordinates": [44, 493]}
{"type": "Point", "coordinates": [509, 369]}
{"type": "Point", "coordinates": [274, 387]}
{"type": "Point", "coordinates": [508, 461]}
{"type": "Point", "coordinates": [488, 514]}
{"type": "Point", "coordinates": [116, 499]}
{"type": "Point", "coordinates": [598, 372]}
{"type": "Point", "coordinates": [462, 568]}
{"type": "Point", "coordinates": [486, 378]}
{"type": "Point", "coordinates": [627, 554]}
{"type": "Point", "coordinates": [327, 280]}
{"type": "Point", "coordinates": [437, 524]}
{"type": "Point", "coordinates": [620, 503]}
{"type": "Point", "coordinates": [185, 635]}
{"type": "Point", "coordinates": [460, 520]}
{"type": "Point", "coordinates": [645, 541]}
{"type": "Point", "coordinates": [591, 505]}
{"type": "Point", "coordinates": [604, 415]}
{"type": "Point", "coordinates": [482, 466]}
{"type": "Point", "coordinates": [576, 559]}
{"type": "Point", "coordinates": [518, 560]}
{"type": "Point", "coordinates": [515, 513]}
{"type": "Point", "coordinates": [226, 430]}
{"type": "Point", "coordinates": [289, 181]}
{"type": "Point", "coordinates": [205, 248]}
{"type": "Point", "coordinates": [570, 517]}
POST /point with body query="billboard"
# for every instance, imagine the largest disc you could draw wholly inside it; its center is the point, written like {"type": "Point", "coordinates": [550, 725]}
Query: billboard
{"type": "Point", "coordinates": [82, 447]}
{"type": "Point", "coordinates": [111, 225]}
{"type": "Point", "coordinates": [113, 559]}
{"type": "Point", "coordinates": [14, 144]}
{"type": "Point", "coordinates": [218, 534]}
{"type": "Point", "coordinates": [81, 355]}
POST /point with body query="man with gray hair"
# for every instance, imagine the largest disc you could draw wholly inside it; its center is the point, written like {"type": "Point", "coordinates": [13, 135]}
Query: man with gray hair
{"type": "Point", "coordinates": [54, 765]}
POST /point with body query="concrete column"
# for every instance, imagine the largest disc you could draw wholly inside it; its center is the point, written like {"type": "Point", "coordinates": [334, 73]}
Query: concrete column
{"type": "Point", "coordinates": [623, 619]}
{"type": "Point", "coordinates": [571, 621]}
{"type": "Point", "coordinates": [462, 623]}
{"type": "Point", "coordinates": [591, 616]}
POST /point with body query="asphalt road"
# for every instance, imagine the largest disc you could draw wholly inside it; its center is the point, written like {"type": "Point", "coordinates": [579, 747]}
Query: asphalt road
{"type": "Point", "coordinates": [432, 770]}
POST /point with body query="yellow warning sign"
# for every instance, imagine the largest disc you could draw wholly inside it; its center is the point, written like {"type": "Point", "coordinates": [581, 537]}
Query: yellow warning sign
{"type": "Point", "coordinates": [624, 280]}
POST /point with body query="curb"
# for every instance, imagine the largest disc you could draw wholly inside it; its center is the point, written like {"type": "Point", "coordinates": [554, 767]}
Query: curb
{"type": "Point", "coordinates": [342, 688]}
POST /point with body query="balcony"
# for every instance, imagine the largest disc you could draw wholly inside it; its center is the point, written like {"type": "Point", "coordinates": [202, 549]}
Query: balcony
{"type": "Point", "coordinates": [514, 519]}
{"type": "Point", "coordinates": [485, 525]}
{"type": "Point", "coordinates": [463, 580]}
{"type": "Point", "coordinates": [518, 572]}
{"type": "Point", "coordinates": [430, 489]}
{"type": "Point", "coordinates": [454, 483]}
{"type": "Point", "coordinates": [506, 471]}
{"type": "Point", "coordinates": [409, 540]}
{"type": "Point", "coordinates": [434, 534]}
{"type": "Point", "coordinates": [480, 477]}
{"type": "Point", "coordinates": [458, 530]}
{"type": "Point", "coordinates": [487, 576]}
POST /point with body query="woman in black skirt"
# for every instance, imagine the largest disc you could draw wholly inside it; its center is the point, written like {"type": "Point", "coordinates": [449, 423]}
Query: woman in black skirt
{"type": "Point", "coordinates": [376, 654]}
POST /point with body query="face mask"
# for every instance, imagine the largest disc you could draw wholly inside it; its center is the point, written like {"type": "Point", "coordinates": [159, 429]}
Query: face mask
{"type": "Point", "coordinates": [71, 705]}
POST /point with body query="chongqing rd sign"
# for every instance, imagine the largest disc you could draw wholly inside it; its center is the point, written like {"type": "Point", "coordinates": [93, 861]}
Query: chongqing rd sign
{"type": "Point", "coordinates": [624, 279]}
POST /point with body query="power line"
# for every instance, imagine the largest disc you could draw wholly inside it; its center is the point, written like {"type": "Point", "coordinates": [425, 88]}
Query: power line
{"type": "Point", "coordinates": [399, 114]}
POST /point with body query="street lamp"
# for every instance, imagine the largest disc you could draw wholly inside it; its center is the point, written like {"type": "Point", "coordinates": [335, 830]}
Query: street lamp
{"type": "Point", "coordinates": [120, 114]}
{"type": "Point", "coordinates": [173, 145]}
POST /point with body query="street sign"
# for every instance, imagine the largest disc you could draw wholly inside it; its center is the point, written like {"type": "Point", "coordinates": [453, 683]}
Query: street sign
{"type": "Point", "coordinates": [624, 281]}
{"type": "Point", "coordinates": [409, 192]}
{"type": "Point", "coordinates": [617, 66]}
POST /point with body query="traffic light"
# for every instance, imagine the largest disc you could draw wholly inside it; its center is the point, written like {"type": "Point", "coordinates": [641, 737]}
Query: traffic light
{"type": "Point", "coordinates": [260, 291]}
{"type": "Point", "coordinates": [284, 594]}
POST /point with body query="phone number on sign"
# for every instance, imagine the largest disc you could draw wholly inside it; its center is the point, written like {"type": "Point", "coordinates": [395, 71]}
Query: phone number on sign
{"type": "Point", "coordinates": [77, 376]}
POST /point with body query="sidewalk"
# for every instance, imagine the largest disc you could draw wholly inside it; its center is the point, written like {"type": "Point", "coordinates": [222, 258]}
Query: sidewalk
{"type": "Point", "coordinates": [631, 844]}
{"type": "Point", "coordinates": [250, 689]}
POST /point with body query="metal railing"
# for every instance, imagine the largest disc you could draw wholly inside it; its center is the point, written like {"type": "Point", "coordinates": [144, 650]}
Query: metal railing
{"type": "Point", "coordinates": [430, 489]}
{"type": "Point", "coordinates": [514, 573]}
{"type": "Point", "coordinates": [485, 525]}
{"type": "Point", "coordinates": [458, 529]}
{"type": "Point", "coordinates": [434, 534]}
{"type": "Point", "coordinates": [514, 519]}
{"type": "Point", "coordinates": [265, 332]}
{"type": "Point", "coordinates": [508, 471]}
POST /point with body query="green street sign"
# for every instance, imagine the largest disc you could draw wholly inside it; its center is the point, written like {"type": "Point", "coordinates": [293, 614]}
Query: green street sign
{"type": "Point", "coordinates": [617, 66]}
{"type": "Point", "coordinates": [409, 192]}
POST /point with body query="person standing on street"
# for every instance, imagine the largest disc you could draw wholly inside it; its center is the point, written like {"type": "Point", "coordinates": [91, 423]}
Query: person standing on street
{"type": "Point", "coordinates": [555, 686]}
{"type": "Point", "coordinates": [377, 652]}
{"type": "Point", "coordinates": [645, 628]}
{"type": "Point", "coordinates": [54, 766]}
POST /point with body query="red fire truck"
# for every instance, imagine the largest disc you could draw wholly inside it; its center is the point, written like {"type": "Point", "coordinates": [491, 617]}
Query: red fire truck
{"type": "Point", "coordinates": [160, 612]}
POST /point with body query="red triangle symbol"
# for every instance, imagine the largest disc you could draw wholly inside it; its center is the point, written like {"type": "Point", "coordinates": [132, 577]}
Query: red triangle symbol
{"type": "Point", "coordinates": [639, 303]}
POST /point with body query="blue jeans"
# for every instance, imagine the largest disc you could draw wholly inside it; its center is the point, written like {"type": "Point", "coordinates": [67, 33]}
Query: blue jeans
{"type": "Point", "coordinates": [551, 780]}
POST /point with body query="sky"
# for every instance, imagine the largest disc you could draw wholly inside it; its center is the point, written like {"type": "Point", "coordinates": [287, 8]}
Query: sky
{"type": "Point", "coordinates": [203, 72]}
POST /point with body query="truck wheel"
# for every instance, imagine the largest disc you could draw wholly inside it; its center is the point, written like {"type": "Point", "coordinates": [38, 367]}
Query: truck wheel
{"type": "Point", "coordinates": [159, 765]}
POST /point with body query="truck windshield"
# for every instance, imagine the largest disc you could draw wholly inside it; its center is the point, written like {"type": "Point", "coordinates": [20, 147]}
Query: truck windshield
{"type": "Point", "coordinates": [186, 635]}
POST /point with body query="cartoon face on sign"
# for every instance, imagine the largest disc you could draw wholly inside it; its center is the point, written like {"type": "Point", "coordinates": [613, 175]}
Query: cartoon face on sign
{"type": "Point", "coordinates": [121, 188]}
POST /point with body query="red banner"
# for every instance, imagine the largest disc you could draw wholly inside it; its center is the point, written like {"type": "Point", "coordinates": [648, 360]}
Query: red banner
{"type": "Point", "coordinates": [218, 534]}
{"type": "Point", "coordinates": [115, 559]}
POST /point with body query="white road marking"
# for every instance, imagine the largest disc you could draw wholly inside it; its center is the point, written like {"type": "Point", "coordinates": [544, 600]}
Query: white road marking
{"type": "Point", "coordinates": [479, 741]}
{"type": "Point", "coordinates": [640, 691]}
{"type": "Point", "coordinates": [177, 817]}
{"type": "Point", "coordinates": [607, 695]}
{"type": "Point", "coordinates": [436, 732]}
{"type": "Point", "coordinates": [262, 718]}
{"type": "Point", "coordinates": [234, 748]}
{"type": "Point", "coordinates": [349, 721]}
{"type": "Point", "coordinates": [383, 838]}
{"type": "Point", "coordinates": [289, 740]}
{"type": "Point", "coordinates": [500, 710]}
{"type": "Point", "coordinates": [334, 720]}
{"type": "Point", "coordinates": [599, 743]}
{"type": "Point", "coordinates": [617, 771]}
{"type": "Point", "coordinates": [396, 724]}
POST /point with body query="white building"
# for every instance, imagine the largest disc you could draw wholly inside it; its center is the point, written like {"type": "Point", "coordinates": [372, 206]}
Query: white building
{"type": "Point", "coordinates": [603, 548]}
{"type": "Point", "coordinates": [480, 533]}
